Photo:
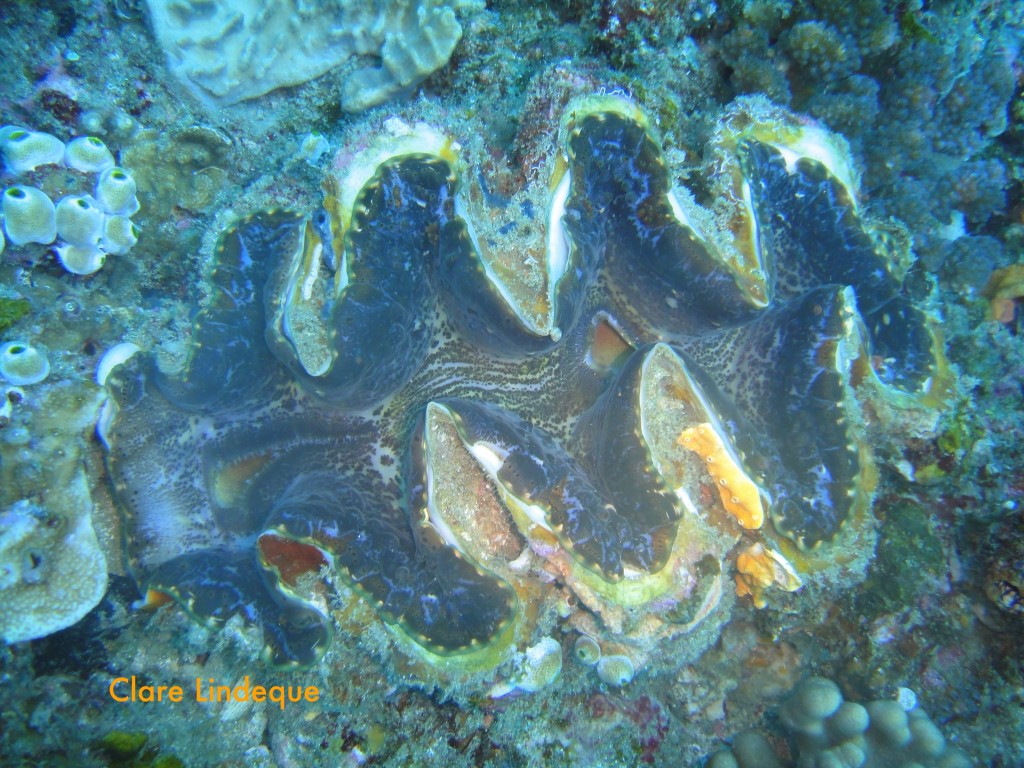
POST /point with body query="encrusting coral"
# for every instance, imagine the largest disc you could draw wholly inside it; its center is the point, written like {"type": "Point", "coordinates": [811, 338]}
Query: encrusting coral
{"type": "Point", "coordinates": [234, 53]}
{"type": "Point", "coordinates": [52, 570]}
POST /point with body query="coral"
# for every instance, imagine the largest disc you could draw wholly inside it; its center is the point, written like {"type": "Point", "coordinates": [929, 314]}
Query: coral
{"type": "Point", "coordinates": [749, 750]}
{"type": "Point", "coordinates": [179, 171]}
{"type": "Point", "coordinates": [850, 107]}
{"type": "Point", "coordinates": [52, 571]}
{"type": "Point", "coordinates": [1004, 290]}
{"type": "Point", "coordinates": [829, 731]}
{"type": "Point", "coordinates": [968, 262]}
{"type": "Point", "coordinates": [754, 65]}
{"type": "Point", "coordinates": [123, 745]}
{"type": "Point", "coordinates": [976, 189]}
{"type": "Point", "coordinates": [819, 51]}
{"type": "Point", "coordinates": [1004, 576]}
{"type": "Point", "coordinates": [235, 52]}
{"type": "Point", "coordinates": [536, 668]}
{"type": "Point", "coordinates": [813, 702]}
{"type": "Point", "coordinates": [925, 107]}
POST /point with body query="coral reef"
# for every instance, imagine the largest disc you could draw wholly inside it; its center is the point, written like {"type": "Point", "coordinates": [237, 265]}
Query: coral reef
{"type": "Point", "coordinates": [242, 49]}
{"type": "Point", "coordinates": [922, 592]}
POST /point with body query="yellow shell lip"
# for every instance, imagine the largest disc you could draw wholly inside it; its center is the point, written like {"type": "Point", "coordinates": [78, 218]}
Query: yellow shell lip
{"type": "Point", "coordinates": [398, 139]}
{"type": "Point", "coordinates": [613, 102]}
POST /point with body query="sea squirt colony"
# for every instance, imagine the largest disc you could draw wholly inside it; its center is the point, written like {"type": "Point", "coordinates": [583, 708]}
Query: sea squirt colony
{"type": "Point", "coordinates": [95, 199]}
{"type": "Point", "coordinates": [601, 430]}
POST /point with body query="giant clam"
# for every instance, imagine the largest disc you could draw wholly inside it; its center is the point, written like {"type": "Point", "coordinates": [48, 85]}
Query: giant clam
{"type": "Point", "coordinates": [592, 427]}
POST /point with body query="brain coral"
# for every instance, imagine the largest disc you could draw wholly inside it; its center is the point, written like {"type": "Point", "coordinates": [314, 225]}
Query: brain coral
{"type": "Point", "coordinates": [588, 425]}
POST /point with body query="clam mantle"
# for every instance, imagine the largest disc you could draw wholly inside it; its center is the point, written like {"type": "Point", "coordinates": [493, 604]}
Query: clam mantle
{"type": "Point", "coordinates": [588, 429]}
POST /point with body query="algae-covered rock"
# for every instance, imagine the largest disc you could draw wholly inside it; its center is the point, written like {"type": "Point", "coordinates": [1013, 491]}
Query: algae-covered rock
{"type": "Point", "coordinates": [11, 311]}
{"type": "Point", "coordinates": [123, 744]}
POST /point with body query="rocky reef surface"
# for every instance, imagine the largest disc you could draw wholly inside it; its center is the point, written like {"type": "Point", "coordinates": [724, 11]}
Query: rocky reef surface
{"type": "Point", "coordinates": [867, 530]}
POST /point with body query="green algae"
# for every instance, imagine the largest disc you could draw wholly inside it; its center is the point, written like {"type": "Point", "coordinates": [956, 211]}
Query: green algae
{"type": "Point", "coordinates": [123, 745]}
{"type": "Point", "coordinates": [166, 761]}
{"type": "Point", "coordinates": [913, 30]}
{"type": "Point", "coordinates": [11, 311]}
{"type": "Point", "coordinates": [909, 557]}
{"type": "Point", "coordinates": [127, 749]}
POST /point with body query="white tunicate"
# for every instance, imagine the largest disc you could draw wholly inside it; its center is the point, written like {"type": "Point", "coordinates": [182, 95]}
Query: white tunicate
{"type": "Point", "coordinates": [79, 221]}
{"type": "Point", "coordinates": [29, 216]}
{"type": "Point", "coordinates": [616, 670]}
{"type": "Point", "coordinates": [312, 147]}
{"type": "Point", "coordinates": [25, 151]}
{"type": "Point", "coordinates": [586, 650]}
{"type": "Point", "coordinates": [6, 409]}
{"type": "Point", "coordinates": [115, 192]}
{"type": "Point", "coordinates": [9, 130]}
{"type": "Point", "coordinates": [88, 154]}
{"type": "Point", "coordinates": [906, 698]}
{"type": "Point", "coordinates": [90, 122]}
{"type": "Point", "coordinates": [541, 666]}
{"type": "Point", "coordinates": [124, 124]}
{"type": "Point", "coordinates": [81, 260]}
{"type": "Point", "coordinates": [119, 235]}
{"type": "Point", "coordinates": [23, 364]}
